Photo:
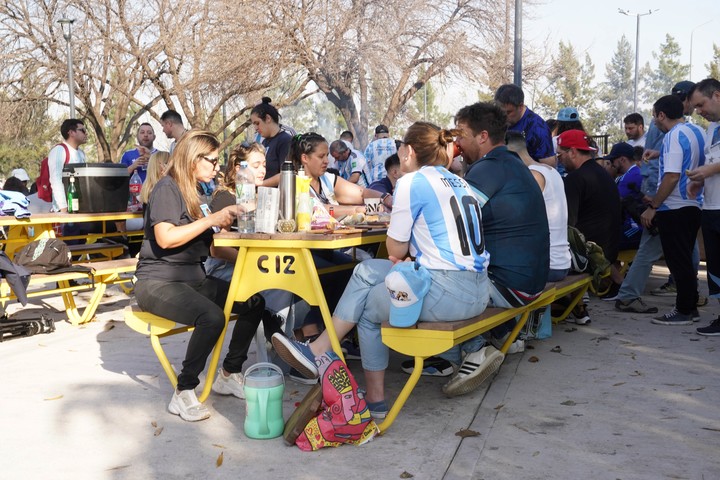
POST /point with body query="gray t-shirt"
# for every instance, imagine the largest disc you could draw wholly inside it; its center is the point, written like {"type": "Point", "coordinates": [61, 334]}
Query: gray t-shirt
{"type": "Point", "coordinates": [179, 264]}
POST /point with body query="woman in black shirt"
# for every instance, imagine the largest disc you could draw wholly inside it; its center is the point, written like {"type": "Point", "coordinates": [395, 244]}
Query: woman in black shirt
{"type": "Point", "coordinates": [171, 279]}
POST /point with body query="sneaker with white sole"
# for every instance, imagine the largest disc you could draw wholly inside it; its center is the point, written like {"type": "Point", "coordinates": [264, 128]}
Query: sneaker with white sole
{"type": "Point", "coordinates": [230, 385]}
{"type": "Point", "coordinates": [518, 346]}
{"type": "Point", "coordinates": [186, 404]}
{"type": "Point", "coordinates": [579, 315]}
{"type": "Point", "coordinates": [712, 330]}
{"type": "Point", "coordinates": [432, 367]}
{"type": "Point", "coordinates": [299, 378]}
{"type": "Point", "coordinates": [673, 317]}
{"type": "Point", "coordinates": [296, 354]}
{"type": "Point", "coordinates": [475, 369]}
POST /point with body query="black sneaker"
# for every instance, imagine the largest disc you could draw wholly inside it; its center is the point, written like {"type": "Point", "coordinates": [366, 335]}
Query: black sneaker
{"type": "Point", "coordinates": [612, 293]}
{"type": "Point", "coordinates": [712, 330]}
{"type": "Point", "coordinates": [432, 367]}
{"type": "Point", "coordinates": [673, 317]}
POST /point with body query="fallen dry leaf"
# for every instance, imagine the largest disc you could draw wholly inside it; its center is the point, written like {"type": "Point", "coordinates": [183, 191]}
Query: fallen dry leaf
{"type": "Point", "coordinates": [568, 403]}
{"type": "Point", "coordinates": [119, 467]}
{"type": "Point", "coordinates": [153, 423]}
{"type": "Point", "coordinates": [694, 389]}
{"type": "Point", "coordinates": [108, 326]}
{"type": "Point", "coordinates": [406, 475]}
{"type": "Point", "coordinates": [533, 359]}
{"type": "Point", "coordinates": [571, 329]}
{"type": "Point", "coordinates": [53, 398]}
{"type": "Point", "coordinates": [636, 373]}
{"type": "Point", "coordinates": [535, 453]}
{"type": "Point", "coordinates": [499, 406]}
{"type": "Point", "coordinates": [41, 345]}
{"type": "Point", "coordinates": [218, 445]}
{"type": "Point", "coordinates": [711, 429]}
{"type": "Point", "coordinates": [694, 339]}
{"type": "Point", "coordinates": [618, 384]}
{"type": "Point", "coordinates": [556, 349]}
{"type": "Point", "coordinates": [218, 462]}
{"type": "Point", "coordinates": [464, 433]}
{"type": "Point", "coordinates": [158, 431]}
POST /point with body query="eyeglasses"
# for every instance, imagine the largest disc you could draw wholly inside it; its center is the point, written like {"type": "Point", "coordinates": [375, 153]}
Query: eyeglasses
{"type": "Point", "coordinates": [81, 130]}
{"type": "Point", "coordinates": [212, 160]}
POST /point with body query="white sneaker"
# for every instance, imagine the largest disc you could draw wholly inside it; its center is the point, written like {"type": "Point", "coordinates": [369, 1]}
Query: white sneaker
{"type": "Point", "coordinates": [230, 385]}
{"type": "Point", "coordinates": [475, 369]}
{"type": "Point", "coordinates": [186, 404]}
{"type": "Point", "coordinates": [518, 346]}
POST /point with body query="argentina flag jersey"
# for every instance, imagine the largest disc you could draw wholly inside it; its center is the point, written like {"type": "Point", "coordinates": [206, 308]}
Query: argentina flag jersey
{"type": "Point", "coordinates": [439, 215]}
{"type": "Point", "coordinates": [683, 149]}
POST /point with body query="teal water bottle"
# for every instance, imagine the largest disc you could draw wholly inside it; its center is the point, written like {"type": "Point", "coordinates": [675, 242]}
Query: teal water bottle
{"type": "Point", "coordinates": [264, 387]}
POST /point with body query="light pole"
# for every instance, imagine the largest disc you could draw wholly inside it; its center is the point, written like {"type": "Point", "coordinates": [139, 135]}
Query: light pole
{"type": "Point", "coordinates": [637, 49]}
{"type": "Point", "coordinates": [692, 32]}
{"type": "Point", "coordinates": [517, 68]}
{"type": "Point", "coordinates": [66, 25]}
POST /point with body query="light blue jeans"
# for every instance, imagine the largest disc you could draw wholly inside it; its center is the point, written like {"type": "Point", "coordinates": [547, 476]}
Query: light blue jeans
{"type": "Point", "coordinates": [454, 295]}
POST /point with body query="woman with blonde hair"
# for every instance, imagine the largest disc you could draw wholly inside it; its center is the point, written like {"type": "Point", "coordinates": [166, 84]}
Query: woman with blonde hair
{"type": "Point", "coordinates": [157, 164]}
{"type": "Point", "coordinates": [434, 239]}
{"type": "Point", "coordinates": [171, 281]}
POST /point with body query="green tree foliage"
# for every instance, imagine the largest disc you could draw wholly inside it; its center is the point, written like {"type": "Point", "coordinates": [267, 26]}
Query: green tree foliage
{"type": "Point", "coordinates": [659, 81]}
{"type": "Point", "coordinates": [616, 92]}
{"type": "Point", "coordinates": [714, 65]}
{"type": "Point", "coordinates": [425, 107]}
{"type": "Point", "coordinates": [570, 84]}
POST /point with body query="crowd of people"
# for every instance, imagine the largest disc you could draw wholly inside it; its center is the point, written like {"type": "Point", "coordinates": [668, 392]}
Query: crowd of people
{"type": "Point", "coordinates": [479, 217]}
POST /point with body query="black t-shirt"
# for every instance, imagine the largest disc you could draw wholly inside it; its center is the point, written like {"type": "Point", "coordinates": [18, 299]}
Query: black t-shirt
{"type": "Point", "coordinates": [221, 199]}
{"type": "Point", "coordinates": [179, 264]}
{"type": "Point", "coordinates": [594, 206]}
{"type": "Point", "coordinates": [276, 152]}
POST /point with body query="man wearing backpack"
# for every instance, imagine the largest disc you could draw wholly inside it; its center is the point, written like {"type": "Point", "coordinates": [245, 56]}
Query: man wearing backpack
{"type": "Point", "coordinates": [74, 134]}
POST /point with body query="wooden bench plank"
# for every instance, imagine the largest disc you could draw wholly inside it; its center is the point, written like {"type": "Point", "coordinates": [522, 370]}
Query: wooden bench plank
{"type": "Point", "coordinates": [108, 251]}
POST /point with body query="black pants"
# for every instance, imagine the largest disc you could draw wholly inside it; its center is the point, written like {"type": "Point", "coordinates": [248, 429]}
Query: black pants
{"type": "Point", "coordinates": [678, 232]}
{"type": "Point", "coordinates": [711, 237]}
{"type": "Point", "coordinates": [201, 304]}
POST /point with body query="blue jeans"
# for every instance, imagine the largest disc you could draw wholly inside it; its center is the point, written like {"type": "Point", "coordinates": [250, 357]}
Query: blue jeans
{"type": "Point", "coordinates": [454, 295]}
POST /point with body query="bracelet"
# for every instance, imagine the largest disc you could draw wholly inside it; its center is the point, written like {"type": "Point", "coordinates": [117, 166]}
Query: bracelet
{"type": "Point", "coordinates": [650, 205]}
{"type": "Point", "coordinates": [384, 196]}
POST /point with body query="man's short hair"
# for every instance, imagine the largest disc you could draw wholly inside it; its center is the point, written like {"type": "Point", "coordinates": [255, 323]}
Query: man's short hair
{"type": "Point", "coordinates": [707, 87]}
{"type": "Point", "coordinates": [510, 94]}
{"type": "Point", "coordinates": [392, 161]}
{"type": "Point", "coordinates": [484, 116]}
{"type": "Point", "coordinates": [68, 125]}
{"type": "Point", "coordinates": [338, 146]}
{"type": "Point", "coordinates": [172, 116]}
{"type": "Point", "coordinates": [635, 119]}
{"type": "Point", "coordinates": [146, 124]}
{"type": "Point", "coordinates": [347, 135]}
{"type": "Point", "coordinates": [670, 105]}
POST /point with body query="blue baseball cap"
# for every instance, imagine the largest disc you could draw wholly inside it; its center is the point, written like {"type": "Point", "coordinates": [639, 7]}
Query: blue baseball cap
{"type": "Point", "coordinates": [568, 114]}
{"type": "Point", "coordinates": [407, 284]}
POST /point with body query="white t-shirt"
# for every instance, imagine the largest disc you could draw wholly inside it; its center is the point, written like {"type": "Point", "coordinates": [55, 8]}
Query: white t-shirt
{"type": "Point", "coordinates": [711, 192]}
{"type": "Point", "coordinates": [640, 142]}
{"type": "Point", "coordinates": [683, 149]}
{"type": "Point", "coordinates": [439, 215]}
{"type": "Point", "coordinates": [56, 162]}
{"type": "Point", "coordinates": [556, 208]}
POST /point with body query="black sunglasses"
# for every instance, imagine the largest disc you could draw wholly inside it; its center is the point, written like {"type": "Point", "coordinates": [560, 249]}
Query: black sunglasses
{"type": "Point", "coordinates": [212, 160]}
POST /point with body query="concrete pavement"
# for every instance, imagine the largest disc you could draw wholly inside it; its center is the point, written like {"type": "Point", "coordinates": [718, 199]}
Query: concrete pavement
{"type": "Point", "coordinates": [617, 399]}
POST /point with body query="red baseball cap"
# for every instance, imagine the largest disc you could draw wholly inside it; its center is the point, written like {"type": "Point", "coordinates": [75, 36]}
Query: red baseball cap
{"type": "Point", "coordinates": [575, 139]}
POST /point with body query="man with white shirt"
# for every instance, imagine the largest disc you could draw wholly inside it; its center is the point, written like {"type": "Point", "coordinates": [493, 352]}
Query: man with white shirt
{"type": "Point", "coordinates": [74, 134]}
{"type": "Point", "coordinates": [635, 130]}
{"type": "Point", "coordinates": [705, 98]}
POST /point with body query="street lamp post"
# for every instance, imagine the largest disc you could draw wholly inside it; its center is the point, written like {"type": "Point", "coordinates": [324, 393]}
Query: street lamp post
{"type": "Point", "coordinates": [517, 50]}
{"type": "Point", "coordinates": [692, 32]}
{"type": "Point", "coordinates": [637, 49]}
{"type": "Point", "coordinates": [66, 24]}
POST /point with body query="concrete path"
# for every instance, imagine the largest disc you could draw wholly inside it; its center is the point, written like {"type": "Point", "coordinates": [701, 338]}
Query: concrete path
{"type": "Point", "coordinates": [618, 399]}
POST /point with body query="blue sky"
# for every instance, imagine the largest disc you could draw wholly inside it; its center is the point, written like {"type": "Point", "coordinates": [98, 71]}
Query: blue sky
{"type": "Point", "coordinates": [596, 27]}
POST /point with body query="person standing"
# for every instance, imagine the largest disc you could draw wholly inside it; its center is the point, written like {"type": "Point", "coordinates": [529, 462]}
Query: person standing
{"type": "Point", "coordinates": [74, 134]}
{"type": "Point", "coordinates": [266, 120]}
{"type": "Point", "coordinates": [173, 127]}
{"type": "Point", "coordinates": [672, 209]}
{"type": "Point", "coordinates": [520, 118]}
{"type": "Point", "coordinates": [705, 98]}
{"type": "Point", "coordinates": [635, 130]}
{"type": "Point", "coordinates": [137, 158]}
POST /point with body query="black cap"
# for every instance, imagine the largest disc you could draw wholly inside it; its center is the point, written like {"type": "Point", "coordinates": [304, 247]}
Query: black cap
{"type": "Point", "coordinates": [381, 129]}
{"type": "Point", "coordinates": [618, 150]}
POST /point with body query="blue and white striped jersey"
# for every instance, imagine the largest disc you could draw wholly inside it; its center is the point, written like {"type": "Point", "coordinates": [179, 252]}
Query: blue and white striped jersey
{"type": "Point", "coordinates": [438, 213]}
{"type": "Point", "coordinates": [683, 149]}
